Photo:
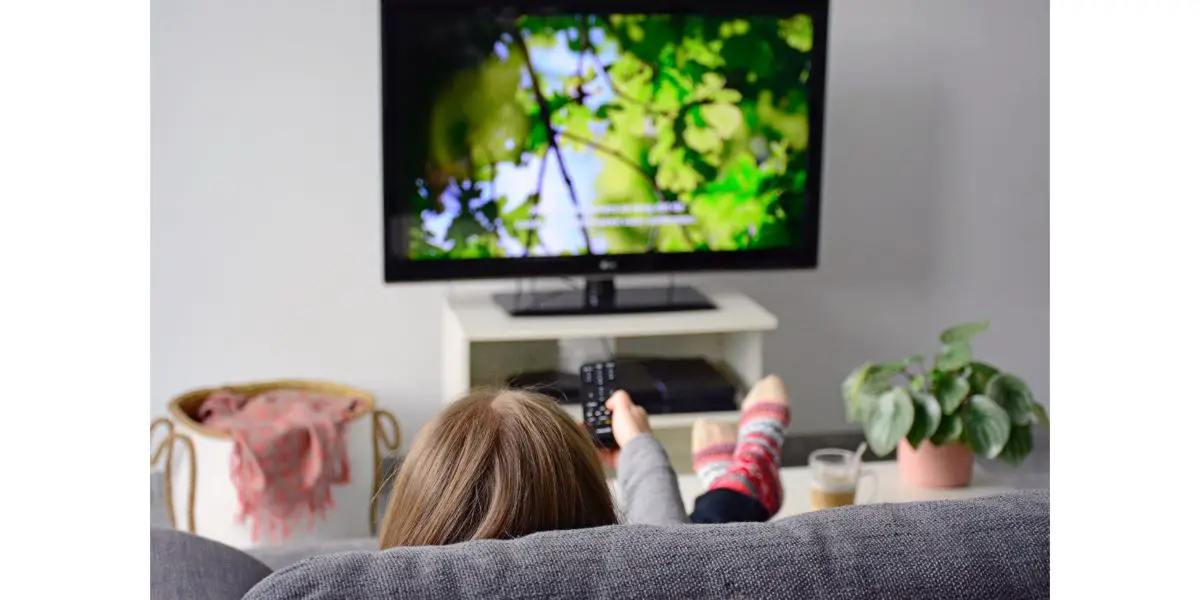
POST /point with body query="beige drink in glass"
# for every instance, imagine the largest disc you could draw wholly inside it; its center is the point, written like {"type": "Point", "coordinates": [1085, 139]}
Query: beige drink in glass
{"type": "Point", "coordinates": [835, 473]}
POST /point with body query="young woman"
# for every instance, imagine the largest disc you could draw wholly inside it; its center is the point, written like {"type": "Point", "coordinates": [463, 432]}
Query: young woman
{"type": "Point", "coordinates": [500, 464]}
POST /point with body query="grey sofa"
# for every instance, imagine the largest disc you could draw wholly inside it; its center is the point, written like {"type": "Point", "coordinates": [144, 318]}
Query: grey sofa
{"type": "Point", "coordinates": [996, 547]}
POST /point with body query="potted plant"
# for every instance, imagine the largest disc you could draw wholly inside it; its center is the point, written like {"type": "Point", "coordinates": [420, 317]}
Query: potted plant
{"type": "Point", "coordinates": [937, 418]}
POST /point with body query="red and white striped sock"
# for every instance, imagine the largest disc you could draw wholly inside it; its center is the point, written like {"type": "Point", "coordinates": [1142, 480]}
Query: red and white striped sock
{"type": "Point", "coordinates": [712, 462]}
{"type": "Point", "coordinates": [754, 469]}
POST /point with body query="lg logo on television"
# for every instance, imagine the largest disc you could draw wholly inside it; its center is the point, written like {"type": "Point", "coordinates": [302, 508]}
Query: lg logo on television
{"type": "Point", "coordinates": [608, 265]}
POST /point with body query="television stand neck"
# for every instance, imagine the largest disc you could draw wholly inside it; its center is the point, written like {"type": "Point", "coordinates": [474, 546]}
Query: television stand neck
{"type": "Point", "coordinates": [599, 293]}
{"type": "Point", "coordinates": [602, 296]}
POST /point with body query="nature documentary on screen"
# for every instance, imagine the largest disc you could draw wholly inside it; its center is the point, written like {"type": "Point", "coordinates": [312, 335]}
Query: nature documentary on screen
{"type": "Point", "coordinates": [581, 134]}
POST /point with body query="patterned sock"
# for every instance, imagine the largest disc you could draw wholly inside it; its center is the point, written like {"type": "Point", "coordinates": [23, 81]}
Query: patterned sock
{"type": "Point", "coordinates": [711, 462]}
{"type": "Point", "coordinates": [754, 470]}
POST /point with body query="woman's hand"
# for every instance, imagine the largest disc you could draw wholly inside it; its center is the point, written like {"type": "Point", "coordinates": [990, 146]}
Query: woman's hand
{"type": "Point", "coordinates": [628, 419]}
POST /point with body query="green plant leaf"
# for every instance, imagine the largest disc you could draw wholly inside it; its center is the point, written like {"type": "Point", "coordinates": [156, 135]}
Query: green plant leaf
{"type": "Point", "coordinates": [725, 118]}
{"type": "Point", "coordinates": [949, 431]}
{"type": "Point", "coordinates": [927, 416]}
{"type": "Point", "coordinates": [1013, 395]}
{"type": "Point", "coordinates": [915, 360]}
{"type": "Point", "coordinates": [917, 384]}
{"type": "Point", "coordinates": [858, 388]}
{"type": "Point", "coordinates": [850, 391]}
{"type": "Point", "coordinates": [950, 390]}
{"type": "Point", "coordinates": [954, 356]}
{"type": "Point", "coordinates": [603, 110]}
{"type": "Point", "coordinates": [888, 419]}
{"type": "Point", "coordinates": [518, 215]}
{"type": "Point", "coordinates": [1040, 412]}
{"type": "Point", "coordinates": [890, 370]}
{"type": "Point", "coordinates": [490, 210]}
{"type": "Point", "coordinates": [463, 228]}
{"type": "Point", "coordinates": [539, 137]}
{"type": "Point", "coordinates": [1020, 444]}
{"type": "Point", "coordinates": [987, 426]}
{"type": "Point", "coordinates": [981, 374]}
{"type": "Point", "coordinates": [961, 334]}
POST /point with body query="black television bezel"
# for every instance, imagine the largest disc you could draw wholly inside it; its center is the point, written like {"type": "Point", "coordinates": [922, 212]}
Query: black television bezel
{"type": "Point", "coordinates": [802, 255]}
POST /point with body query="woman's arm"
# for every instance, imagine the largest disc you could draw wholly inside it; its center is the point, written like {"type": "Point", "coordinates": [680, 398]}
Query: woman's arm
{"type": "Point", "coordinates": [649, 487]}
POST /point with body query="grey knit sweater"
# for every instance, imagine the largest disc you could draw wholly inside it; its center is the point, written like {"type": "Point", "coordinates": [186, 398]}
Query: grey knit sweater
{"type": "Point", "coordinates": [649, 486]}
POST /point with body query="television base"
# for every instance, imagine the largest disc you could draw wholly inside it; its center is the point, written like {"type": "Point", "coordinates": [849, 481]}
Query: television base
{"type": "Point", "coordinates": [601, 296]}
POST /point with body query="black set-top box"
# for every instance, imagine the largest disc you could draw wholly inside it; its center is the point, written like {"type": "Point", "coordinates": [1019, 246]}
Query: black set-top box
{"type": "Point", "coordinates": [676, 385]}
{"type": "Point", "coordinates": [660, 385]}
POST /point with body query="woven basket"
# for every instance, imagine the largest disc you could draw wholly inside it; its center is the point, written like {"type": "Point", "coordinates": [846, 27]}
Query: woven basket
{"type": "Point", "coordinates": [211, 506]}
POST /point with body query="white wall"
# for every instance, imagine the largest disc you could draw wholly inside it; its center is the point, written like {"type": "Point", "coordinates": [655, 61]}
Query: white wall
{"type": "Point", "coordinates": [267, 242]}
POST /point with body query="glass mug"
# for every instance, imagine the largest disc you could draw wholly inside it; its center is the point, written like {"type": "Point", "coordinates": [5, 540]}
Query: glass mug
{"type": "Point", "coordinates": [834, 478]}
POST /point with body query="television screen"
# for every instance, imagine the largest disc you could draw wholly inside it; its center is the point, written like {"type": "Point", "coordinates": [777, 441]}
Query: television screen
{"type": "Point", "coordinates": [579, 135]}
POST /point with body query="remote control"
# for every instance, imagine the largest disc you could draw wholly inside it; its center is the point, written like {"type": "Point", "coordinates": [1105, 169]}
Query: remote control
{"type": "Point", "coordinates": [596, 384]}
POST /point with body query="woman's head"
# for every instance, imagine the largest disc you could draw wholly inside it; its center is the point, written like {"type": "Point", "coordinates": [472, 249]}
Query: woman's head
{"type": "Point", "coordinates": [496, 464]}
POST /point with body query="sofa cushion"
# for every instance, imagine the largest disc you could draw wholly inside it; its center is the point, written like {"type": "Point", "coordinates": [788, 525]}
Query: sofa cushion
{"type": "Point", "coordinates": [188, 567]}
{"type": "Point", "coordinates": [995, 547]}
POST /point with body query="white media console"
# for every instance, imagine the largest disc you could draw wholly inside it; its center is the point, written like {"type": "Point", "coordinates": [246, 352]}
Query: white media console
{"type": "Point", "coordinates": [482, 344]}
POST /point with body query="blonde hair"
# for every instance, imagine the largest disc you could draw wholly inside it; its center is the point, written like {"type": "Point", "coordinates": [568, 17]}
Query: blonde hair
{"type": "Point", "coordinates": [496, 464]}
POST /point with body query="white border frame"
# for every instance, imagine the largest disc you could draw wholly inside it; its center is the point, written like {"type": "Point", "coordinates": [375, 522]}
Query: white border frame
{"type": "Point", "coordinates": [74, 322]}
{"type": "Point", "coordinates": [1125, 201]}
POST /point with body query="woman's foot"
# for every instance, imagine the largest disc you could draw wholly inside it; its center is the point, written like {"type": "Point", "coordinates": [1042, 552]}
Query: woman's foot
{"type": "Point", "coordinates": [713, 444]}
{"type": "Point", "coordinates": [754, 469]}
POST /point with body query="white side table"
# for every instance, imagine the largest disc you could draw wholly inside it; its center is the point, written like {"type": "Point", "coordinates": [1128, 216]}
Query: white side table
{"type": "Point", "coordinates": [886, 483]}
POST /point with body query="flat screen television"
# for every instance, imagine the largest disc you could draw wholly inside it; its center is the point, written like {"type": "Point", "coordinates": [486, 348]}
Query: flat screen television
{"type": "Point", "coordinates": [597, 139]}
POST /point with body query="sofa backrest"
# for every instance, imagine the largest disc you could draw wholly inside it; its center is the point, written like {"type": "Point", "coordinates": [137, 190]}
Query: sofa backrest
{"type": "Point", "coordinates": [289, 553]}
{"type": "Point", "coordinates": [996, 547]}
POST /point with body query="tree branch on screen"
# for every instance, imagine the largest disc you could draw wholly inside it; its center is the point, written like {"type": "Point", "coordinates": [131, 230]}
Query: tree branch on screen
{"type": "Point", "coordinates": [544, 114]}
{"type": "Point", "coordinates": [658, 193]}
{"type": "Point", "coordinates": [537, 199]}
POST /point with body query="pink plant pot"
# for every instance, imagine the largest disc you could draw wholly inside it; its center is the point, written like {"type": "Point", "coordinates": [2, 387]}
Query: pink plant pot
{"type": "Point", "coordinates": [930, 466]}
